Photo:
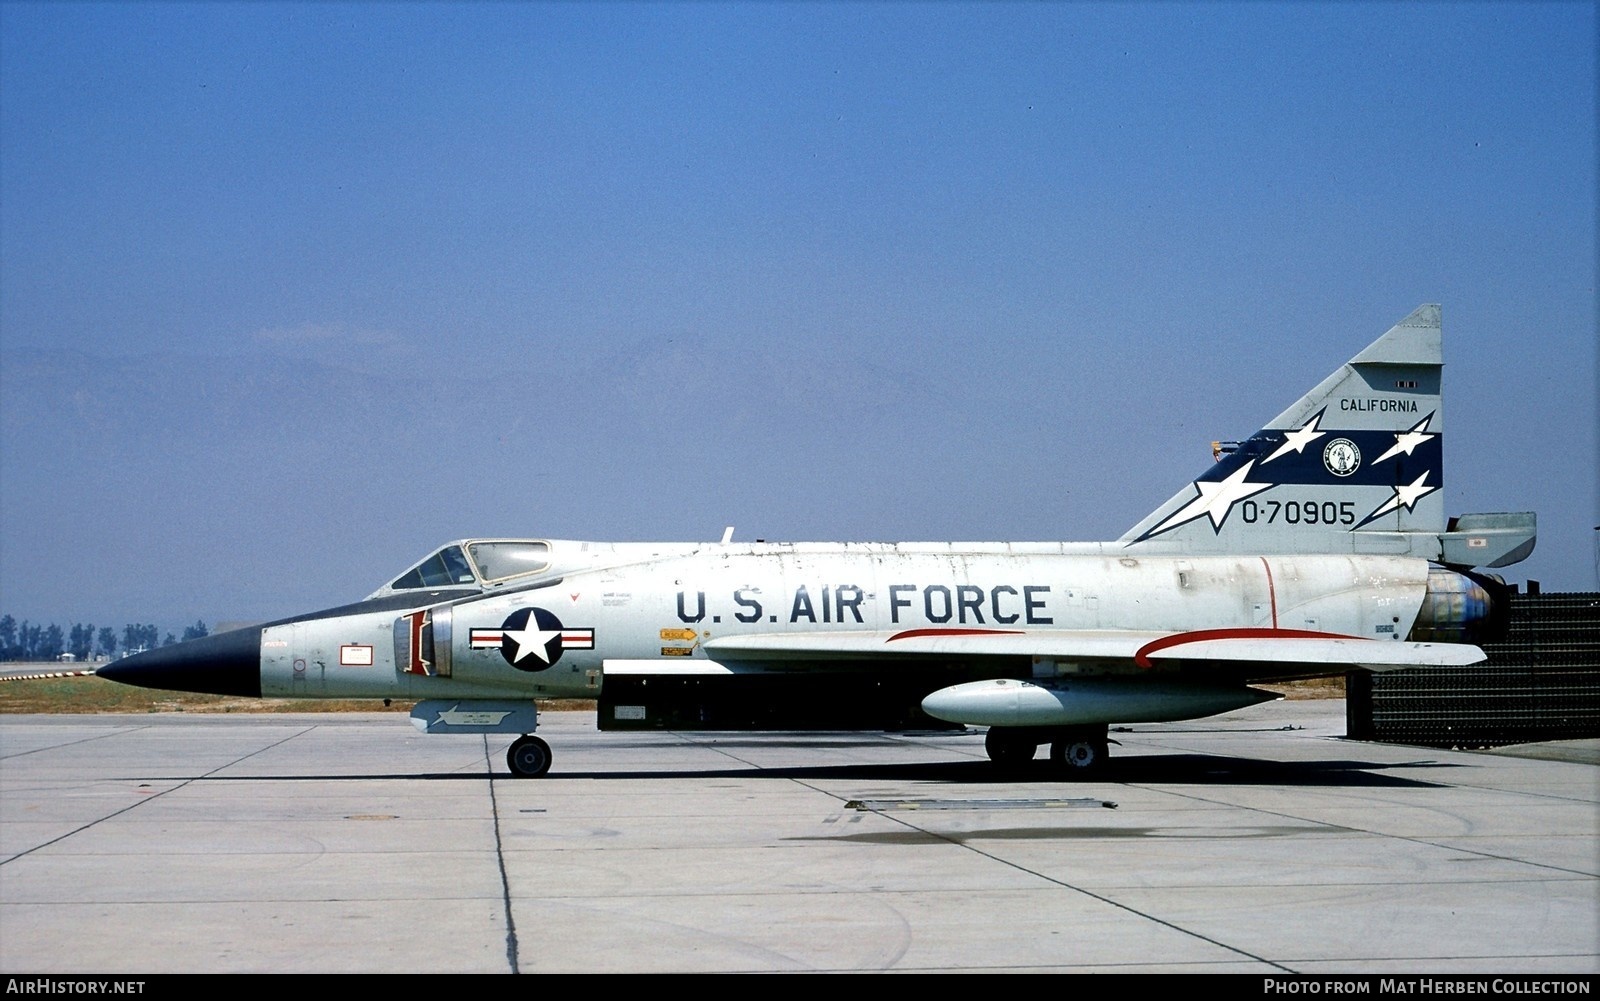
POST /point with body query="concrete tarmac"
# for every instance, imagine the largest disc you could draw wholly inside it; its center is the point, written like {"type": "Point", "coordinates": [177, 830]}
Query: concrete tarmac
{"type": "Point", "coordinates": [1255, 842]}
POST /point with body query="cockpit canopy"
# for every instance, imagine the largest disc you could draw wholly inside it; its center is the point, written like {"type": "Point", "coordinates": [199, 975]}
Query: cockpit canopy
{"type": "Point", "coordinates": [474, 563]}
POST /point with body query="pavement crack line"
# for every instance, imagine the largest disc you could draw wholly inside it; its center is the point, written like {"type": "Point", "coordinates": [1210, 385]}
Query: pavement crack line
{"type": "Point", "coordinates": [1368, 831]}
{"type": "Point", "coordinates": [512, 959]}
{"type": "Point", "coordinates": [1075, 889]}
{"type": "Point", "coordinates": [81, 740]}
{"type": "Point", "coordinates": [1038, 875]}
{"type": "Point", "coordinates": [155, 796]}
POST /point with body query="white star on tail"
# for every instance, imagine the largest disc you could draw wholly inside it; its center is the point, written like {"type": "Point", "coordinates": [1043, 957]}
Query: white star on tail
{"type": "Point", "coordinates": [1296, 441]}
{"type": "Point", "coordinates": [1216, 499]}
{"type": "Point", "coordinates": [1405, 497]}
{"type": "Point", "coordinates": [532, 641]}
{"type": "Point", "coordinates": [1405, 441]}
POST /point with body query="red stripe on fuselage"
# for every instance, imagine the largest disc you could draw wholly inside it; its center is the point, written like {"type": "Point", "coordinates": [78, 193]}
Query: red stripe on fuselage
{"type": "Point", "coordinates": [919, 633]}
{"type": "Point", "coordinates": [1142, 658]}
{"type": "Point", "coordinates": [1272, 592]}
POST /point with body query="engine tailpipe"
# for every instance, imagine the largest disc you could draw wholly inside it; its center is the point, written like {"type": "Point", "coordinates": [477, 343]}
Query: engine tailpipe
{"type": "Point", "coordinates": [1462, 607]}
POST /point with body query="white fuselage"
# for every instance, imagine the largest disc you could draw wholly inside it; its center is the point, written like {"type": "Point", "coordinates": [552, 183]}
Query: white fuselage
{"type": "Point", "coordinates": [666, 607]}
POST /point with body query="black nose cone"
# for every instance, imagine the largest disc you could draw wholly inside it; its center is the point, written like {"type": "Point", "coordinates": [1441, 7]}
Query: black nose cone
{"type": "Point", "coordinates": [224, 664]}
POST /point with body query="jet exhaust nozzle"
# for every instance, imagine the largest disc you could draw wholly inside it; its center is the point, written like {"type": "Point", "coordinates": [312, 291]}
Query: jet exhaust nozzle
{"type": "Point", "coordinates": [1461, 608]}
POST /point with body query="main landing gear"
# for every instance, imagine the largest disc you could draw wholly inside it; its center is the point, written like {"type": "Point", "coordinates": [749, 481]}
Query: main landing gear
{"type": "Point", "coordinates": [1080, 756]}
{"type": "Point", "coordinates": [1009, 747]}
{"type": "Point", "coordinates": [1075, 753]}
{"type": "Point", "coordinates": [529, 757]}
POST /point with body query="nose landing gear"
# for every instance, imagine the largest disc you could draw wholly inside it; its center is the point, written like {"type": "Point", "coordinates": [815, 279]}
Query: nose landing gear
{"type": "Point", "coordinates": [528, 757]}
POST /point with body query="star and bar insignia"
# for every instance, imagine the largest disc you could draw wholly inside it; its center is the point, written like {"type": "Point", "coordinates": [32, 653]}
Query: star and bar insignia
{"type": "Point", "coordinates": [532, 639]}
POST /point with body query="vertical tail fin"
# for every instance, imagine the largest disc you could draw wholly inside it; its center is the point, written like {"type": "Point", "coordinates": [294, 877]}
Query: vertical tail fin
{"type": "Point", "coordinates": [1356, 465]}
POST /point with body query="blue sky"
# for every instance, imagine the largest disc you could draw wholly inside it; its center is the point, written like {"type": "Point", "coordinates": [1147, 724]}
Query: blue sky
{"type": "Point", "coordinates": [290, 293]}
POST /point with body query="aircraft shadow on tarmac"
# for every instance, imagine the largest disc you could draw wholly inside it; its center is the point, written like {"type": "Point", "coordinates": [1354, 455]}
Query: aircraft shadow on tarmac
{"type": "Point", "coordinates": [1149, 769]}
{"type": "Point", "coordinates": [1195, 769]}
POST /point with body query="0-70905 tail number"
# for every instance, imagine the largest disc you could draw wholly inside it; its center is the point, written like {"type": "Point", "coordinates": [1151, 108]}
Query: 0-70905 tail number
{"type": "Point", "coordinates": [1299, 512]}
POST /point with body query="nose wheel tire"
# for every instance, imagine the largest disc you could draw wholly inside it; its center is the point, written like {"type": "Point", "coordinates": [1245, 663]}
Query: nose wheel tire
{"type": "Point", "coordinates": [529, 757]}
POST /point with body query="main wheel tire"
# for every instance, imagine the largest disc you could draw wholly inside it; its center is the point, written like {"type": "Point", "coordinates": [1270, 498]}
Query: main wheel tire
{"type": "Point", "coordinates": [1008, 749]}
{"type": "Point", "coordinates": [1079, 757]}
{"type": "Point", "coordinates": [529, 757]}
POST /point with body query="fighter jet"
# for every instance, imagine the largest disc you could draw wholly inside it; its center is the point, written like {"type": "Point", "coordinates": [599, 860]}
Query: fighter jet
{"type": "Point", "coordinates": [1317, 546]}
